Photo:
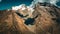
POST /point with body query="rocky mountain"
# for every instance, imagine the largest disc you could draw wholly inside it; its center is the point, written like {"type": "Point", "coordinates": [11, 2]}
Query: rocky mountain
{"type": "Point", "coordinates": [44, 18]}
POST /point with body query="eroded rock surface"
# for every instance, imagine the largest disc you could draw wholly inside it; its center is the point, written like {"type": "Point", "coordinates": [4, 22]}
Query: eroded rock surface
{"type": "Point", "coordinates": [45, 19]}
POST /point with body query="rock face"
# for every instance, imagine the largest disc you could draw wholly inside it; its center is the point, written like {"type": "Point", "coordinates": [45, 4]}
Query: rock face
{"type": "Point", "coordinates": [45, 19]}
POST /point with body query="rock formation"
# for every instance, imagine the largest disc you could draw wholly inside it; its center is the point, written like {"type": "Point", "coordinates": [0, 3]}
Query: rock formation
{"type": "Point", "coordinates": [45, 19]}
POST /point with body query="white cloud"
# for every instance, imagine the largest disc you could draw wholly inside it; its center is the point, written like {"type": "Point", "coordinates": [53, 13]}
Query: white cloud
{"type": "Point", "coordinates": [54, 1]}
{"type": "Point", "coordinates": [0, 0]}
{"type": "Point", "coordinates": [22, 6]}
{"type": "Point", "coordinates": [48, 1]}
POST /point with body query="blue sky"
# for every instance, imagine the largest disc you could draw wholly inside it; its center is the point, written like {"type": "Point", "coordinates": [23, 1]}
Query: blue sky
{"type": "Point", "coordinates": [7, 4]}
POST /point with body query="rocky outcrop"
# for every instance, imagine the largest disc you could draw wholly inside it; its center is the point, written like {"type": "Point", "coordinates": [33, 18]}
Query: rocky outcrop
{"type": "Point", "coordinates": [45, 19]}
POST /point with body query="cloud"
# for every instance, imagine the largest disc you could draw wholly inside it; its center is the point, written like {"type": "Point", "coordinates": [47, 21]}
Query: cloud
{"type": "Point", "coordinates": [48, 1]}
{"type": "Point", "coordinates": [22, 6]}
{"type": "Point", "coordinates": [0, 0]}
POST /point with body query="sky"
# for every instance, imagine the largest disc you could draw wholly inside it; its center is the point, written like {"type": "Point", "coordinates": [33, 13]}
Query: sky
{"type": "Point", "coordinates": [7, 4]}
